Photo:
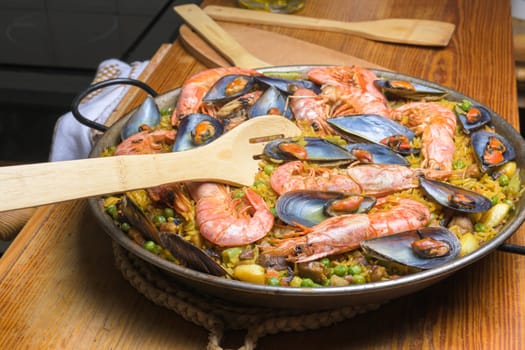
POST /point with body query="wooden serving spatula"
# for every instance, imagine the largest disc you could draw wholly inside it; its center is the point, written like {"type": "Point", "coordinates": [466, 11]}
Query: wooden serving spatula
{"type": "Point", "coordinates": [229, 159]}
{"type": "Point", "coordinates": [217, 37]}
{"type": "Point", "coordinates": [394, 30]}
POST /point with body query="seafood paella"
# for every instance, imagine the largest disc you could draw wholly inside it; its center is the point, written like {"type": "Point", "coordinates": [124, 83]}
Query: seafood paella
{"type": "Point", "coordinates": [388, 178]}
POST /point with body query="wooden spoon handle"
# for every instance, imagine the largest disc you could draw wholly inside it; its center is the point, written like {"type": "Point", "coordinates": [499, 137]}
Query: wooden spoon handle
{"type": "Point", "coordinates": [31, 185]}
{"type": "Point", "coordinates": [396, 30]}
{"type": "Point", "coordinates": [218, 37]}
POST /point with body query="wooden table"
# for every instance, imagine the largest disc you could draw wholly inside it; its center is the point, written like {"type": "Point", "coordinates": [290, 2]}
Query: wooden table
{"type": "Point", "coordinates": [59, 289]}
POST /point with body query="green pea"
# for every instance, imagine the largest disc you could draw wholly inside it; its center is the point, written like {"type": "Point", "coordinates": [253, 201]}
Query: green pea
{"type": "Point", "coordinates": [274, 212]}
{"type": "Point", "coordinates": [258, 182]}
{"type": "Point", "coordinates": [503, 180]}
{"type": "Point", "coordinates": [159, 219]}
{"type": "Point", "coordinates": [494, 200]}
{"type": "Point", "coordinates": [125, 226]}
{"type": "Point", "coordinates": [149, 246]}
{"type": "Point", "coordinates": [358, 279]}
{"type": "Point", "coordinates": [307, 282]}
{"type": "Point", "coordinates": [465, 105]}
{"type": "Point", "coordinates": [479, 227]}
{"type": "Point", "coordinates": [340, 270]}
{"type": "Point", "coordinates": [355, 269]}
{"type": "Point", "coordinates": [274, 281]}
{"type": "Point", "coordinates": [458, 164]}
{"type": "Point", "coordinates": [268, 169]}
{"type": "Point", "coordinates": [157, 249]}
{"type": "Point", "coordinates": [238, 194]}
{"type": "Point", "coordinates": [325, 262]}
{"type": "Point", "coordinates": [112, 210]}
{"type": "Point", "coordinates": [169, 212]}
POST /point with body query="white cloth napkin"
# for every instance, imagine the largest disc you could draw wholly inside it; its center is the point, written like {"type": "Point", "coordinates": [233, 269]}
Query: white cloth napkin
{"type": "Point", "coordinates": [72, 140]}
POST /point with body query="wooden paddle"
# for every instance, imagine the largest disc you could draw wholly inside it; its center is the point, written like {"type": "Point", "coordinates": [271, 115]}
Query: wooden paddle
{"type": "Point", "coordinates": [394, 30]}
{"type": "Point", "coordinates": [218, 38]}
{"type": "Point", "coordinates": [229, 159]}
{"type": "Point", "coordinates": [291, 51]}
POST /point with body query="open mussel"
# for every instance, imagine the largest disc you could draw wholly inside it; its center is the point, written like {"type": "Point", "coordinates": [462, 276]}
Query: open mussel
{"type": "Point", "coordinates": [471, 117]}
{"type": "Point", "coordinates": [308, 148]}
{"type": "Point", "coordinates": [139, 220]}
{"type": "Point", "coordinates": [229, 87]}
{"type": "Point", "coordinates": [308, 208]}
{"type": "Point", "coordinates": [272, 101]}
{"type": "Point", "coordinates": [196, 130]}
{"type": "Point", "coordinates": [455, 198]}
{"type": "Point", "coordinates": [194, 257]}
{"type": "Point", "coordinates": [375, 153]}
{"type": "Point", "coordinates": [287, 86]}
{"type": "Point", "coordinates": [146, 116]}
{"type": "Point", "coordinates": [491, 149]}
{"type": "Point", "coordinates": [409, 90]}
{"type": "Point", "coordinates": [423, 248]}
{"type": "Point", "coordinates": [186, 252]}
{"type": "Point", "coordinates": [377, 129]}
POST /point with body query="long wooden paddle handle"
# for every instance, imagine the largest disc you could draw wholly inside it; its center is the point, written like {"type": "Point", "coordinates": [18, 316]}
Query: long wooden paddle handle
{"type": "Point", "coordinates": [232, 14]}
{"type": "Point", "coordinates": [23, 186]}
{"type": "Point", "coordinates": [396, 30]}
{"type": "Point", "coordinates": [218, 37]}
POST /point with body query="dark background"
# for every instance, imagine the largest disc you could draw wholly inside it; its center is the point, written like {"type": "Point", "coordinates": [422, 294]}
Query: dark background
{"type": "Point", "coordinates": [50, 50]}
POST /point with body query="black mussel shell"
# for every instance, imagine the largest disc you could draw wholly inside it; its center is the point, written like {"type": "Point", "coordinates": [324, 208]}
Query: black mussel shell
{"type": "Point", "coordinates": [147, 114]}
{"type": "Point", "coordinates": [186, 252]}
{"type": "Point", "coordinates": [377, 129]}
{"type": "Point", "coordinates": [192, 256]}
{"type": "Point", "coordinates": [424, 248]}
{"type": "Point", "coordinates": [287, 86]}
{"type": "Point", "coordinates": [491, 149]}
{"type": "Point", "coordinates": [272, 101]}
{"type": "Point", "coordinates": [455, 198]}
{"type": "Point", "coordinates": [474, 118]}
{"type": "Point", "coordinates": [308, 208]}
{"type": "Point", "coordinates": [308, 148]}
{"type": "Point", "coordinates": [196, 130]}
{"type": "Point", "coordinates": [376, 154]}
{"type": "Point", "coordinates": [139, 220]}
{"type": "Point", "coordinates": [409, 90]}
{"type": "Point", "coordinates": [229, 87]}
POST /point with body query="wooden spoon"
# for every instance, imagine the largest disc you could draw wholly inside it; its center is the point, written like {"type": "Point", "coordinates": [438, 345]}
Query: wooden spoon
{"type": "Point", "coordinates": [218, 38]}
{"type": "Point", "coordinates": [394, 30]}
{"type": "Point", "coordinates": [229, 159]}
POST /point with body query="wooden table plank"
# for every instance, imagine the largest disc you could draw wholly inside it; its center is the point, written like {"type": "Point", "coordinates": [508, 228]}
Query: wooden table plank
{"type": "Point", "coordinates": [58, 287]}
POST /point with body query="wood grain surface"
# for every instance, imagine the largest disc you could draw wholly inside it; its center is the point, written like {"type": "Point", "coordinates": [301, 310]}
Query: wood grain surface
{"type": "Point", "coordinates": [59, 289]}
{"type": "Point", "coordinates": [292, 51]}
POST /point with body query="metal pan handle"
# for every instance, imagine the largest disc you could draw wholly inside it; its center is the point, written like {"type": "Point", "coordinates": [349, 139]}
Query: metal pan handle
{"type": "Point", "coordinates": [512, 248]}
{"type": "Point", "coordinates": [92, 124]}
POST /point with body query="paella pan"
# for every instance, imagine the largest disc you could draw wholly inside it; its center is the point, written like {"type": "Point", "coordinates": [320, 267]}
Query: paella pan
{"type": "Point", "coordinates": [301, 264]}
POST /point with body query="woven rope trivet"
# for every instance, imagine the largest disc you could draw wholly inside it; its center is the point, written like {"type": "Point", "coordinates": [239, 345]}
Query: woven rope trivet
{"type": "Point", "coordinates": [218, 316]}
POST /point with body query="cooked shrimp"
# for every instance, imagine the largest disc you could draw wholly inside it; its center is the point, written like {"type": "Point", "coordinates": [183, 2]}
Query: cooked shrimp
{"type": "Point", "coordinates": [350, 90]}
{"type": "Point", "coordinates": [436, 124]}
{"type": "Point", "coordinates": [370, 179]}
{"type": "Point", "coordinates": [146, 142]}
{"type": "Point", "coordinates": [383, 179]}
{"type": "Point", "coordinates": [195, 88]}
{"type": "Point", "coordinates": [228, 222]}
{"type": "Point", "coordinates": [310, 110]}
{"type": "Point", "coordinates": [297, 175]}
{"type": "Point", "coordinates": [344, 233]}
